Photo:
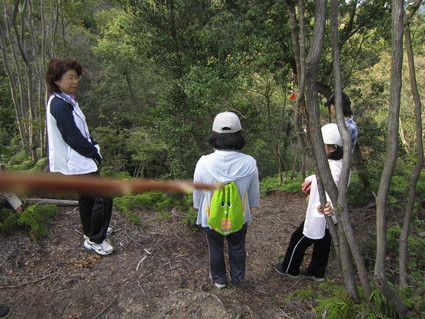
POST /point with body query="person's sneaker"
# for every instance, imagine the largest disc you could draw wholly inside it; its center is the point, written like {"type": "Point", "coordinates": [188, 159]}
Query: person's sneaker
{"type": "Point", "coordinates": [104, 248]}
{"type": "Point", "coordinates": [109, 231]}
{"type": "Point", "coordinates": [4, 311]}
{"type": "Point", "coordinates": [219, 286]}
{"type": "Point", "coordinates": [216, 284]}
{"type": "Point", "coordinates": [280, 271]}
{"type": "Point", "coordinates": [308, 274]}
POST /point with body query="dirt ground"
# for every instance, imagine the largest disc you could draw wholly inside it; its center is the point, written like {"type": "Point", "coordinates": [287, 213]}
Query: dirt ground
{"type": "Point", "coordinates": [158, 270]}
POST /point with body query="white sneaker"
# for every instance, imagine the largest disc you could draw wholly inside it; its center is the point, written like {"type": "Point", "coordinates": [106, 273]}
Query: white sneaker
{"type": "Point", "coordinates": [104, 248]}
{"type": "Point", "coordinates": [109, 231]}
{"type": "Point", "coordinates": [219, 286]}
{"type": "Point", "coordinates": [216, 284]}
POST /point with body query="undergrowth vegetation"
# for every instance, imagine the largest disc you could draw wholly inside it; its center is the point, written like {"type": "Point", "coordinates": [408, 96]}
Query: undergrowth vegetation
{"type": "Point", "coordinates": [36, 218]}
{"type": "Point", "coordinates": [331, 301]}
{"type": "Point", "coordinates": [133, 206]}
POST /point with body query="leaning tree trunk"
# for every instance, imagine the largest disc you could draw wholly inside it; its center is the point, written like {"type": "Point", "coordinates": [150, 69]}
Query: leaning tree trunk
{"type": "Point", "coordinates": [403, 256]}
{"type": "Point", "coordinates": [322, 171]}
{"type": "Point", "coordinates": [391, 153]}
{"type": "Point", "coordinates": [348, 231]}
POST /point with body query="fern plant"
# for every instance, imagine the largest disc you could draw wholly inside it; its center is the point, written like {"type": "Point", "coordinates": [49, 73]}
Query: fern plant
{"type": "Point", "coordinates": [339, 305]}
{"type": "Point", "coordinates": [382, 309]}
{"type": "Point", "coordinates": [8, 220]}
{"type": "Point", "coordinates": [37, 217]}
{"type": "Point", "coordinates": [150, 200]}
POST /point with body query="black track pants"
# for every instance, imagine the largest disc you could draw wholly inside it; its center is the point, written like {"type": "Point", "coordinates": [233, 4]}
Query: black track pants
{"type": "Point", "coordinates": [95, 214]}
{"type": "Point", "coordinates": [296, 250]}
{"type": "Point", "coordinates": [237, 255]}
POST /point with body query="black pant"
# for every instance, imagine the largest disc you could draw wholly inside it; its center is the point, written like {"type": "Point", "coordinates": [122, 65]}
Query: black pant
{"type": "Point", "coordinates": [296, 250]}
{"type": "Point", "coordinates": [95, 214]}
{"type": "Point", "coordinates": [237, 255]}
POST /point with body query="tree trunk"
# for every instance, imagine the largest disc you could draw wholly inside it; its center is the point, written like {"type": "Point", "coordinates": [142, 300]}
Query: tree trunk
{"type": "Point", "coordinates": [322, 170]}
{"type": "Point", "coordinates": [391, 153]}
{"type": "Point", "coordinates": [403, 255]}
{"type": "Point", "coordinates": [23, 51]}
{"type": "Point", "coordinates": [347, 236]}
{"type": "Point", "coordinates": [12, 66]}
{"type": "Point", "coordinates": [298, 44]}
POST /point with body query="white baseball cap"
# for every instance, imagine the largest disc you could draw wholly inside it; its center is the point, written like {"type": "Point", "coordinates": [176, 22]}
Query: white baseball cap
{"type": "Point", "coordinates": [331, 134]}
{"type": "Point", "coordinates": [226, 122]}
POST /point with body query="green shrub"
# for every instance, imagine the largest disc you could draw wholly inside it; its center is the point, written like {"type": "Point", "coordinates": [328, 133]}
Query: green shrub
{"type": "Point", "coordinates": [290, 185]}
{"type": "Point", "coordinates": [37, 217]}
{"type": "Point", "coordinates": [379, 307]}
{"type": "Point", "coordinates": [18, 159]}
{"type": "Point", "coordinates": [356, 192]}
{"type": "Point", "coordinates": [41, 165]}
{"type": "Point", "coordinates": [306, 293]}
{"type": "Point", "coordinates": [150, 200]}
{"type": "Point", "coordinates": [190, 219]}
{"type": "Point", "coordinates": [338, 306]}
{"type": "Point", "coordinates": [107, 172]}
{"type": "Point", "coordinates": [124, 205]}
{"type": "Point", "coordinates": [8, 220]}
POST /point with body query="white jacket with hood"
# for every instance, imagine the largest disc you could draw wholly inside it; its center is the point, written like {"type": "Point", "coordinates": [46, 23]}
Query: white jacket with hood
{"type": "Point", "coordinates": [226, 166]}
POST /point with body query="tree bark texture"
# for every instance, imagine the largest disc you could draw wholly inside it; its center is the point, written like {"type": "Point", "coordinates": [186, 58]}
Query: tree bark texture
{"type": "Point", "coordinates": [391, 153]}
{"type": "Point", "coordinates": [323, 173]}
{"type": "Point", "coordinates": [403, 251]}
{"type": "Point", "coordinates": [23, 55]}
{"type": "Point", "coordinates": [343, 216]}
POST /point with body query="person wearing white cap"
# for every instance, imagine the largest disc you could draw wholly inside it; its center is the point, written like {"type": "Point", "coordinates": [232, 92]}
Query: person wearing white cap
{"type": "Point", "coordinates": [313, 230]}
{"type": "Point", "coordinates": [225, 165]}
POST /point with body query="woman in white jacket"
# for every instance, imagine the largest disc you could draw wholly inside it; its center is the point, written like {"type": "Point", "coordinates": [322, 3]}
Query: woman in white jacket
{"type": "Point", "coordinates": [225, 165]}
{"type": "Point", "coordinates": [73, 151]}
{"type": "Point", "coordinates": [313, 230]}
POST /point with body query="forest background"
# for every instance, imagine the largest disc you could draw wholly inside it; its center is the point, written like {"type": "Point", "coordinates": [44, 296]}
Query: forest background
{"type": "Point", "coordinates": [157, 72]}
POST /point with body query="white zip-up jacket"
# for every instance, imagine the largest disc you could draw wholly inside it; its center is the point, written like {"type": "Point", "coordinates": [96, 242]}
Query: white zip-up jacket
{"type": "Point", "coordinates": [226, 166]}
{"type": "Point", "coordinates": [72, 151]}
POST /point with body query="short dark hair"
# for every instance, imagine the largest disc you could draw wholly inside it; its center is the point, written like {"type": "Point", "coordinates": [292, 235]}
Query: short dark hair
{"type": "Point", "coordinates": [337, 154]}
{"type": "Point", "coordinates": [346, 104]}
{"type": "Point", "coordinates": [229, 141]}
{"type": "Point", "coordinates": [57, 68]}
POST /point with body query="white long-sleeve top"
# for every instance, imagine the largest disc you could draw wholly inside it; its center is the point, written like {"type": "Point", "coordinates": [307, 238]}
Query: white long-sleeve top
{"type": "Point", "coordinates": [315, 221]}
{"type": "Point", "coordinates": [226, 166]}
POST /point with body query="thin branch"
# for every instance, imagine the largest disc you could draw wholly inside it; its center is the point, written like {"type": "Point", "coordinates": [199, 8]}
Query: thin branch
{"type": "Point", "coordinates": [18, 182]}
{"type": "Point", "coordinates": [106, 308]}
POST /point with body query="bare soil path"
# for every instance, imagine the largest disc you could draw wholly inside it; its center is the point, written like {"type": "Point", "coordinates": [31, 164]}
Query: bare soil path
{"type": "Point", "coordinates": [158, 270]}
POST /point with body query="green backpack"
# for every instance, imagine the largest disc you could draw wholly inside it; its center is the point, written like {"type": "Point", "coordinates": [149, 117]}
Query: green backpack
{"type": "Point", "coordinates": [226, 214]}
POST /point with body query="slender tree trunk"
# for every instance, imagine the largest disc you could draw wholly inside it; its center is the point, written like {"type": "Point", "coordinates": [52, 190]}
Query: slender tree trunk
{"type": "Point", "coordinates": [11, 66]}
{"type": "Point", "coordinates": [403, 255]}
{"type": "Point", "coordinates": [298, 44]}
{"type": "Point", "coordinates": [347, 236]}
{"type": "Point", "coordinates": [391, 153]}
{"type": "Point", "coordinates": [23, 50]}
{"type": "Point", "coordinates": [323, 173]}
